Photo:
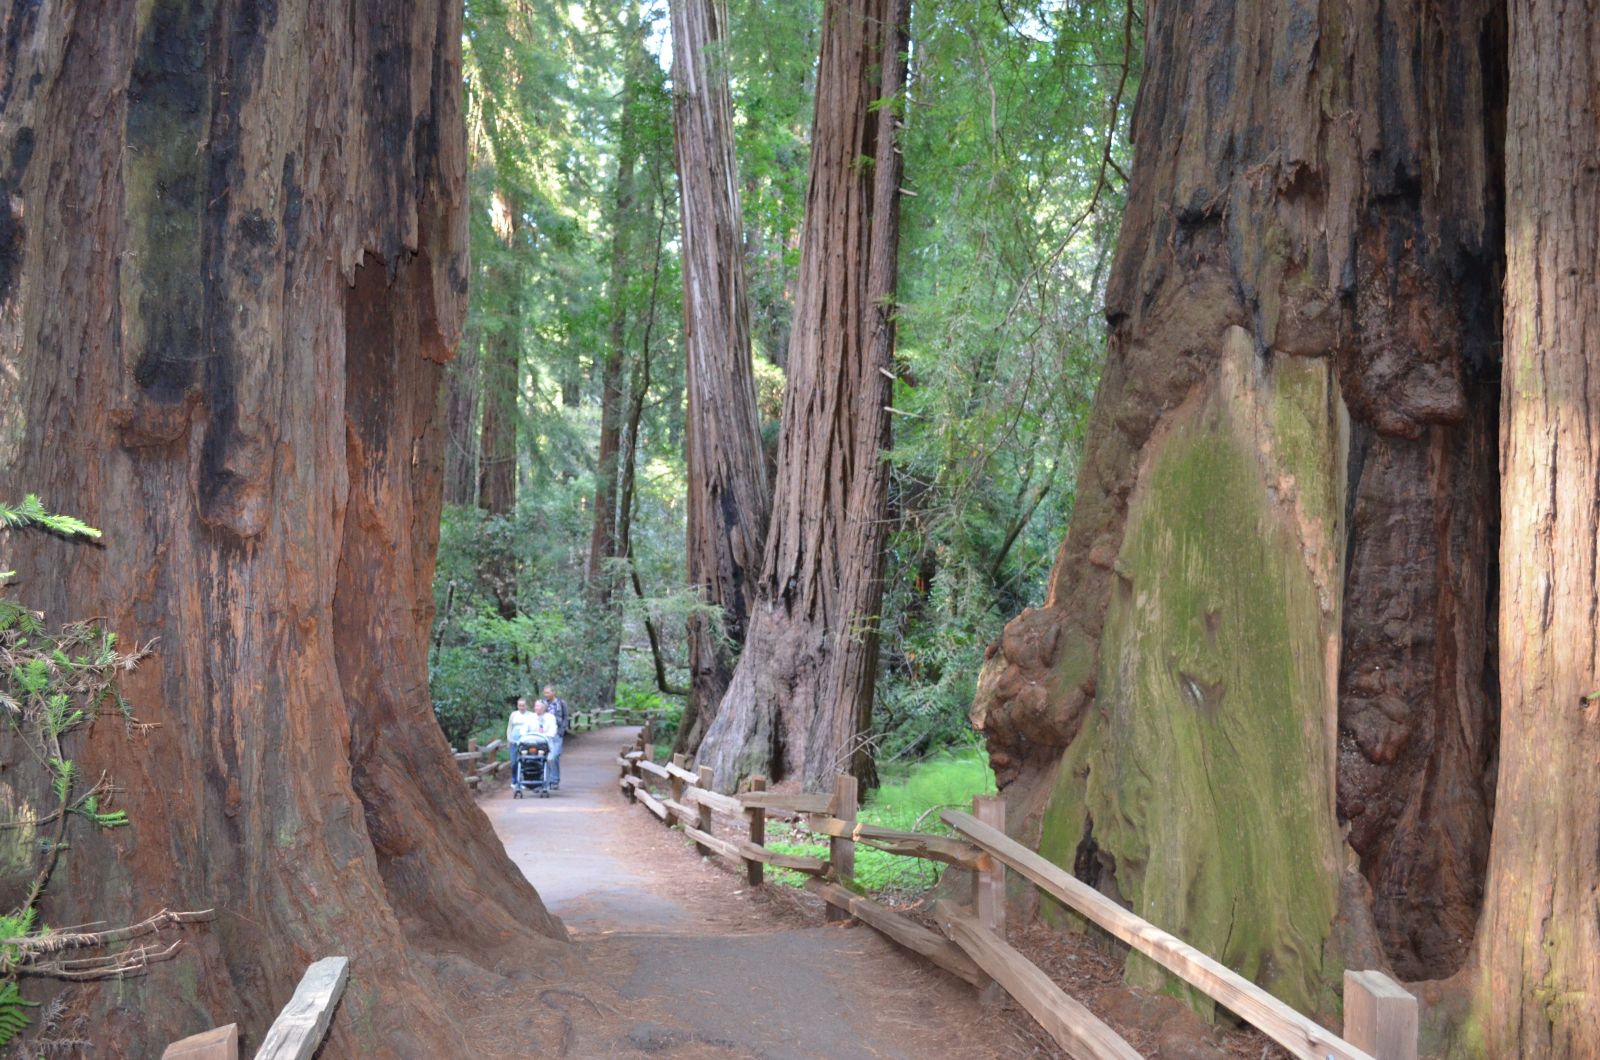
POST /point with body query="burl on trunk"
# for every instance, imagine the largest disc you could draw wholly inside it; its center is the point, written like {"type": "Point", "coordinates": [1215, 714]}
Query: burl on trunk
{"type": "Point", "coordinates": [232, 264]}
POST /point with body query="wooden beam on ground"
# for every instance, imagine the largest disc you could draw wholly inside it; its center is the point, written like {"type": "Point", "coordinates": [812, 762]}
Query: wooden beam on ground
{"type": "Point", "coordinates": [901, 929]}
{"type": "Point", "coordinates": [1077, 1030]}
{"type": "Point", "coordinates": [1295, 1032]}
{"type": "Point", "coordinates": [941, 848]}
{"type": "Point", "coordinates": [753, 868]}
{"type": "Point", "coordinates": [1380, 1016]}
{"type": "Point", "coordinates": [798, 802]}
{"type": "Point", "coordinates": [299, 1028]}
{"type": "Point", "coordinates": [219, 1043]}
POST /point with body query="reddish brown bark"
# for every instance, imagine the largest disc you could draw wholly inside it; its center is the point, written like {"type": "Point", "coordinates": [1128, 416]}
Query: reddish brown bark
{"type": "Point", "coordinates": [1538, 980]}
{"type": "Point", "coordinates": [801, 695]}
{"type": "Point", "coordinates": [233, 266]}
{"type": "Point", "coordinates": [727, 504]}
{"type": "Point", "coordinates": [1321, 179]}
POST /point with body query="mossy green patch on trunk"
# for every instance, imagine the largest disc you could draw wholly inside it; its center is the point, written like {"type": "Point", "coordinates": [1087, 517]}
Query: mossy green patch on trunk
{"type": "Point", "coordinates": [1205, 764]}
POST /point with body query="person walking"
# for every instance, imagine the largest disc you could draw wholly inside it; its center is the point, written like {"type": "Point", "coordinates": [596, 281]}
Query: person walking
{"type": "Point", "coordinates": [558, 709]}
{"type": "Point", "coordinates": [520, 728]}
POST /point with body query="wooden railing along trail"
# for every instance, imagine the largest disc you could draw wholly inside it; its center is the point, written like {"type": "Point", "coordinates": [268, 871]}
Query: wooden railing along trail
{"type": "Point", "coordinates": [1380, 1016]}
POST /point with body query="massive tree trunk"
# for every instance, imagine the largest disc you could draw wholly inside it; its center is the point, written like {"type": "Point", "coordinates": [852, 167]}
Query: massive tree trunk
{"type": "Point", "coordinates": [234, 263]}
{"type": "Point", "coordinates": [1538, 983]}
{"type": "Point", "coordinates": [1269, 616]}
{"type": "Point", "coordinates": [801, 695]}
{"type": "Point", "coordinates": [601, 578]}
{"type": "Point", "coordinates": [727, 505]}
{"type": "Point", "coordinates": [501, 380]}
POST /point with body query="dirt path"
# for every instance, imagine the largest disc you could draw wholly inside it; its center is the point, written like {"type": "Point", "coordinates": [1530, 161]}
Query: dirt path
{"type": "Point", "coordinates": [677, 957]}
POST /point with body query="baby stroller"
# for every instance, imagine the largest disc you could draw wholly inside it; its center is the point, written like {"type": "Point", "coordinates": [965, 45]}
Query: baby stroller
{"type": "Point", "coordinates": [528, 773]}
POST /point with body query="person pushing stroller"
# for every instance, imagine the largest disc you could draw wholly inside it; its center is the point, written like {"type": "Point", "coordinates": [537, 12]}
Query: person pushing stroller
{"type": "Point", "coordinates": [531, 735]}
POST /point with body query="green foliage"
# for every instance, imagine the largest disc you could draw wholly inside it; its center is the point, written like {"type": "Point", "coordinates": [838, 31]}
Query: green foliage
{"type": "Point", "coordinates": [909, 799]}
{"type": "Point", "coordinates": [53, 685]}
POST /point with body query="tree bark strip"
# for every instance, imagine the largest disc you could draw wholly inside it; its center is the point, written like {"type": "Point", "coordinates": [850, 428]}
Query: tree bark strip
{"type": "Point", "coordinates": [1538, 988]}
{"type": "Point", "coordinates": [801, 695]}
{"type": "Point", "coordinates": [728, 498]}
{"type": "Point", "coordinates": [233, 265]}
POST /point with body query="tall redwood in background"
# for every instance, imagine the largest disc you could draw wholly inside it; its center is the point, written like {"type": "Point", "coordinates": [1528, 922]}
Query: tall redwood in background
{"type": "Point", "coordinates": [232, 265]}
{"type": "Point", "coordinates": [801, 695]}
{"type": "Point", "coordinates": [728, 498]}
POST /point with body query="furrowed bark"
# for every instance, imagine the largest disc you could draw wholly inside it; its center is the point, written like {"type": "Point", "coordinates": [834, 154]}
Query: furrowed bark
{"type": "Point", "coordinates": [801, 695]}
{"type": "Point", "coordinates": [728, 498]}
{"type": "Point", "coordinates": [1538, 975]}
{"type": "Point", "coordinates": [1289, 469]}
{"type": "Point", "coordinates": [234, 266]}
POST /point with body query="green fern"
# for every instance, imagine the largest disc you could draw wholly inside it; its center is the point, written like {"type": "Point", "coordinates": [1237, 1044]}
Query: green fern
{"type": "Point", "coordinates": [13, 1011]}
{"type": "Point", "coordinates": [31, 513]}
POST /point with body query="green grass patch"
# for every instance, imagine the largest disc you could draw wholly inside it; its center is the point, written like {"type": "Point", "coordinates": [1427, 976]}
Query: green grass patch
{"type": "Point", "coordinates": [909, 799]}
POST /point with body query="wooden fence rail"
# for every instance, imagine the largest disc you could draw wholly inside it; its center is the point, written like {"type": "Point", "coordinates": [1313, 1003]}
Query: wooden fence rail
{"type": "Point", "coordinates": [1380, 1016]}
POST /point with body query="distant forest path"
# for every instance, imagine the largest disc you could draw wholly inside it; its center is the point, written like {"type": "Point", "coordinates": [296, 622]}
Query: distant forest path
{"type": "Point", "coordinates": [676, 957]}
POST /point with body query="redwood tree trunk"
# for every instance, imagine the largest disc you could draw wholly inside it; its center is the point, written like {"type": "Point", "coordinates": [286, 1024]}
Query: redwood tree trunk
{"type": "Point", "coordinates": [603, 537]}
{"type": "Point", "coordinates": [727, 504]}
{"type": "Point", "coordinates": [1539, 976]}
{"type": "Point", "coordinates": [1269, 616]}
{"type": "Point", "coordinates": [461, 404]}
{"type": "Point", "coordinates": [801, 695]}
{"type": "Point", "coordinates": [233, 267]}
{"type": "Point", "coordinates": [502, 369]}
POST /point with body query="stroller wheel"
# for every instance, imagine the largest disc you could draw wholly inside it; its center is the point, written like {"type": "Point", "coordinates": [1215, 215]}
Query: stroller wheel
{"type": "Point", "coordinates": [517, 794]}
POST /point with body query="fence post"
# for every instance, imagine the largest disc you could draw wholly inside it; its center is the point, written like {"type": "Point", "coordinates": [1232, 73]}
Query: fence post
{"type": "Point", "coordinates": [676, 783]}
{"type": "Point", "coordinates": [704, 822]}
{"type": "Point", "coordinates": [842, 851]}
{"type": "Point", "coordinates": [758, 833]}
{"type": "Point", "coordinates": [989, 885]}
{"type": "Point", "coordinates": [1380, 1016]}
{"type": "Point", "coordinates": [629, 769]}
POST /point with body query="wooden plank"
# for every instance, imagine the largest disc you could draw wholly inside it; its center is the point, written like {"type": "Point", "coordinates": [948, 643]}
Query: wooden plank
{"type": "Point", "coordinates": [907, 844]}
{"type": "Point", "coordinates": [841, 849]}
{"type": "Point", "coordinates": [711, 800]}
{"type": "Point", "coordinates": [468, 756]}
{"type": "Point", "coordinates": [684, 813]}
{"type": "Point", "coordinates": [625, 763]}
{"type": "Point", "coordinates": [1296, 1033]}
{"type": "Point", "coordinates": [650, 802]}
{"type": "Point", "coordinates": [798, 802]}
{"type": "Point", "coordinates": [299, 1028]}
{"type": "Point", "coordinates": [654, 770]}
{"type": "Point", "coordinates": [219, 1043]}
{"type": "Point", "coordinates": [901, 929]}
{"type": "Point", "coordinates": [633, 755]}
{"type": "Point", "coordinates": [492, 746]}
{"type": "Point", "coordinates": [1076, 1029]}
{"type": "Point", "coordinates": [703, 810]}
{"type": "Point", "coordinates": [677, 769]}
{"type": "Point", "coordinates": [712, 843]}
{"type": "Point", "coordinates": [1380, 1016]}
{"type": "Point", "coordinates": [753, 868]}
{"type": "Point", "coordinates": [798, 862]}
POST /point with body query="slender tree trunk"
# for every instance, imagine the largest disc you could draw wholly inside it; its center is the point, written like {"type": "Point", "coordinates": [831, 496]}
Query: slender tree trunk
{"type": "Point", "coordinates": [233, 268]}
{"type": "Point", "coordinates": [727, 505]}
{"type": "Point", "coordinates": [501, 376]}
{"type": "Point", "coordinates": [801, 695]}
{"type": "Point", "coordinates": [1268, 618]}
{"type": "Point", "coordinates": [603, 538]}
{"type": "Point", "coordinates": [1538, 981]}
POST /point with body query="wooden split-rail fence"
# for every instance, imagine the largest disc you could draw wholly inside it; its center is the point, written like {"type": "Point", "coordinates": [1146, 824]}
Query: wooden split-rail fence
{"type": "Point", "coordinates": [1380, 1017]}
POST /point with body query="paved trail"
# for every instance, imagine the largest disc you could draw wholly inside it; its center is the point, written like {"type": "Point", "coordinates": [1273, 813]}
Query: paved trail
{"type": "Point", "coordinates": [691, 962]}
